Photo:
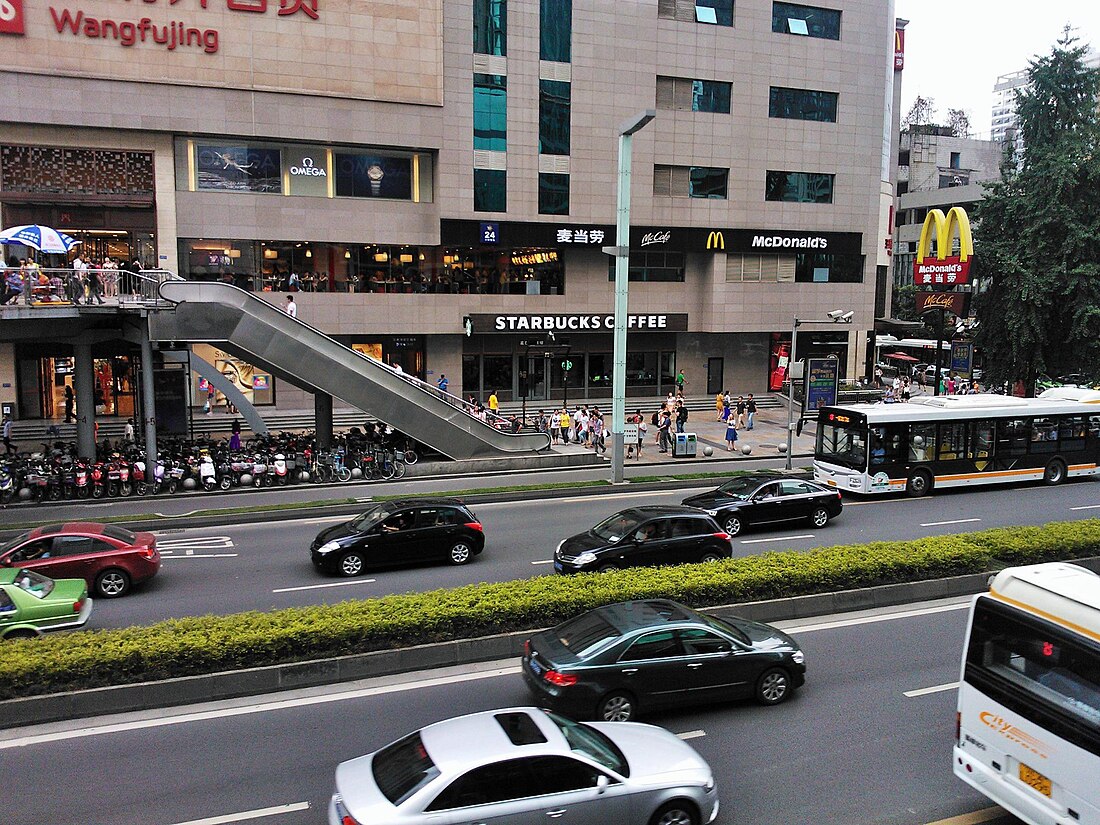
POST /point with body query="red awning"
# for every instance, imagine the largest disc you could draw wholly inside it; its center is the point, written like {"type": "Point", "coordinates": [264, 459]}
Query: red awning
{"type": "Point", "coordinates": [900, 356]}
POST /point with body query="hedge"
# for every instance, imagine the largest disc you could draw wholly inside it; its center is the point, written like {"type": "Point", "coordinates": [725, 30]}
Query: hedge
{"type": "Point", "coordinates": [208, 644]}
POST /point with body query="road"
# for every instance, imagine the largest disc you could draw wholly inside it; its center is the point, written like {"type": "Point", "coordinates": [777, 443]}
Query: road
{"type": "Point", "coordinates": [263, 566]}
{"type": "Point", "coordinates": [866, 741]}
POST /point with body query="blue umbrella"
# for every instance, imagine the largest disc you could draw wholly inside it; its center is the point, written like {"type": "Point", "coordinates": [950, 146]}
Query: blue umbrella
{"type": "Point", "coordinates": [42, 238]}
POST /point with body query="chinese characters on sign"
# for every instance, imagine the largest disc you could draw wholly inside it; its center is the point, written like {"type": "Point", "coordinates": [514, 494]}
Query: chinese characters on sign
{"type": "Point", "coordinates": [580, 236]}
{"type": "Point", "coordinates": [822, 381]}
{"type": "Point", "coordinates": [490, 232]}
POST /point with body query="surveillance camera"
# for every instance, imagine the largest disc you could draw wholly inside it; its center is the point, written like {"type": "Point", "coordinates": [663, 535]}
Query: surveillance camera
{"type": "Point", "coordinates": [835, 314]}
{"type": "Point", "coordinates": [847, 317]}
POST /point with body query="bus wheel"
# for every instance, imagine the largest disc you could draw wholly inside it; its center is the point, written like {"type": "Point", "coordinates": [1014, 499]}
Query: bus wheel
{"type": "Point", "coordinates": [919, 484]}
{"type": "Point", "coordinates": [1055, 472]}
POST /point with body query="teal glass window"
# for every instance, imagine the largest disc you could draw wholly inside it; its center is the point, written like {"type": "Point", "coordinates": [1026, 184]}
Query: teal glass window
{"type": "Point", "coordinates": [710, 96]}
{"type": "Point", "coordinates": [809, 21]}
{"type": "Point", "coordinates": [490, 190]}
{"type": "Point", "coordinates": [708, 182]}
{"type": "Point", "coordinates": [490, 112]}
{"type": "Point", "coordinates": [491, 27]}
{"type": "Point", "coordinates": [803, 104]}
{"type": "Point", "coordinates": [556, 30]}
{"type": "Point", "coordinates": [799, 187]}
{"type": "Point", "coordinates": [553, 194]}
{"type": "Point", "coordinates": [554, 103]}
{"type": "Point", "coordinates": [715, 12]}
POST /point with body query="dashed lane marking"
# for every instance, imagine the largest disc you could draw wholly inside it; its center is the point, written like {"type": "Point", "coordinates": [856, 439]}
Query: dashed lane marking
{"type": "Point", "coordinates": [778, 538]}
{"type": "Point", "coordinates": [912, 694]}
{"type": "Point", "coordinates": [953, 521]}
{"type": "Point", "coordinates": [692, 734]}
{"type": "Point", "coordinates": [242, 816]}
{"type": "Point", "coordinates": [318, 586]}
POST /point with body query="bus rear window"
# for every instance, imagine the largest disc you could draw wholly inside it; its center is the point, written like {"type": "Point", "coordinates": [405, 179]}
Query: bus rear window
{"type": "Point", "coordinates": [846, 446]}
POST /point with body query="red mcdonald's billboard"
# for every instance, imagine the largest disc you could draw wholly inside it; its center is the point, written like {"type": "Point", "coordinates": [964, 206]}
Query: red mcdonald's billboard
{"type": "Point", "coordinates": [899, 49]}
{"type": "Point", "coordinates": [957, 303]}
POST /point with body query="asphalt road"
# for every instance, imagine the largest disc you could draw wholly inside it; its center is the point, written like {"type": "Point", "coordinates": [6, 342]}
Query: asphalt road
{"type": "Point", "coordinates": [265, 565]}
{"type": "Point", "coordinates": [850, 748]}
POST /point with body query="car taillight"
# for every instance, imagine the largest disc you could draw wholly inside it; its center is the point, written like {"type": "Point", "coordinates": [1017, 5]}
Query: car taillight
{"type": "Point", "coordinates": [348, 819]}
{"type": "Point", "coordinates": [78, 605]}
{"type": "Point", "coordinates": [474, 525]}
{"type": "Point", "coordinates": [149, 552]}
{"type": "Point", "coordinates": [560, 679]}
{"type": "Point", "coordinates": [723, 536]}
{"type": "Point", "coordinates": [527, 648]}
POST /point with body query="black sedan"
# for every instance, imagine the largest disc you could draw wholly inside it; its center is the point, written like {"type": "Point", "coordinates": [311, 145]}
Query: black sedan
{"type": "Point", "coordinates": [766, 499]}
{"type": "Point", "coordinates": [621, 659]}
{"type": "Point", "coordinates": [400, 532]}
{"type": "Point", "coordinates": [644, 536]}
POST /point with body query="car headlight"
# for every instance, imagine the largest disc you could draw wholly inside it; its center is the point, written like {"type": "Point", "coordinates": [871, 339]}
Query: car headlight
{"type": "Point", "coordinates": [585, 558]}
{"type": "Point", "coordinates": [798, 657]}
{"type": "Point", "coordinates": [557, 550]}
{"type": "Point", "coordinates": [328, 547]}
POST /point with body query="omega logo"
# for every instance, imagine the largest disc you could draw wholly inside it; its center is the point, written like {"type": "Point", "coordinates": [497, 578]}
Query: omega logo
{"type": "Point", "coordinates": [307, 168]}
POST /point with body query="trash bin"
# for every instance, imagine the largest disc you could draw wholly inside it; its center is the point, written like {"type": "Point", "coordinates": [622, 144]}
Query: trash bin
{"type": "Point", "coordinates": [684, 446]}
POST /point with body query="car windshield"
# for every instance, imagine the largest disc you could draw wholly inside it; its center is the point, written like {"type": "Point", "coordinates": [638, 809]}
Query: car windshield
{"type": "Point", "coordinates": [403, 768]}
{"type": "Point", "coordinates": [34, 583]}
{"type": "Point", "coordinates": [584, 634]}
{"type": "Point", "coordinates": [372, 516]}
{"type": "Point", "coordinates": [727, 627]}
{"type": "Point", "coordinates": [15, 542]}
{"type": "Point", "coordinates": [591, 743]}
{"type": "Point", "coordinates": [739, 488]}
{"type": "Point", "coordinates": [619, 525]}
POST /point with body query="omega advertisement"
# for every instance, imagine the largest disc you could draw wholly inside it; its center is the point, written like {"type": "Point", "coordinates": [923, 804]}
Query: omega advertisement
{"type": "Point", "coordinates": [320, 47]}
{"type": "Point", "coordinates": [578, 322]}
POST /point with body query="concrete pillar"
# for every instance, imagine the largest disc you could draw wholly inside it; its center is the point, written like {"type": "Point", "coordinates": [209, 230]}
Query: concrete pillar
{"type": "Point", "coordinates": [322, 412]}
{"type": "Point", "coordinates": [148, 404]}
{"type": "Point", "coordinates": [84, 381]}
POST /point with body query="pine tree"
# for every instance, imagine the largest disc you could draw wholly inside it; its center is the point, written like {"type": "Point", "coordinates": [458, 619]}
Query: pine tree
{"type": "Point", "coordinates": [1037, 239]}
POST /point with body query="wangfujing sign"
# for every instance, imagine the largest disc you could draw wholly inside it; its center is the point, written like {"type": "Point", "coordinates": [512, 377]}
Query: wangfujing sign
{"type": "Point", "coordinates": [578, 322]}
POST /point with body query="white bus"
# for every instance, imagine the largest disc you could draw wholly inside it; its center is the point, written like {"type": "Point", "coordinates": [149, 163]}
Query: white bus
{"type": "Point", "coordinates": [955, 441]}
{"type": "Point", "coordinates": [1027, 731]}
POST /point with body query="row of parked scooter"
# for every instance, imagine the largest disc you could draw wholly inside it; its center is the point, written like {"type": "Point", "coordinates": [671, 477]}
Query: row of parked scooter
{"type": "Point", "coordinates": [57, 472]}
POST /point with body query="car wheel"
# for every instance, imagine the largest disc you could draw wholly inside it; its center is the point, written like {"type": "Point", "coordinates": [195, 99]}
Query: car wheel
{"type": "Point", "coordinates": [733, 525]}
{"type": "Point", "coordinates": [675, 813]}
{"type": "Point", "coordinates": [773, 686]}
{"type": "Point", "coordinates": [22, 633]}
{"type": "Point", "coordinates": [819, 517]}
{"type": "Point", "coordinates": [461, 553]}
{"type": "Point", "coordinates": [919, 484]}
{"type": "Point", "coordinates": [351, 564]}
{"type": "Point", "coordinates": [1055, 472]}
{"type": "Point", "coordinates": [616, 707]}
{"type": "Point", "coordinates": [607, 567]}
{"type": "Point", "coordinates": [110, 584]}
{"type": "Point", "coordinates": [713, 555]}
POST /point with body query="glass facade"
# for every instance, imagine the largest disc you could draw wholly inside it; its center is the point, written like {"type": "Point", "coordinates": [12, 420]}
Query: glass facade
{"type": "Point", "coordinates": [554, 105]}
{"type": "Point", "coordinates": [490, 190]}
{"type": "Point", "coordinates": [799, 187]}
{"type": "Point", "coordinates": [822, 267]}
{"type": "Point", "coordinates": [553, 194]}
{"type": "Point", "coordinates": [556, 30]}
{"type": "Point", "coordinates": [708, 182]}
{"type": "Point", "coordinates": [491, 112]}
{"type": "Point", "coordinates": [710, 96]}
{"type": "Point", "coordinates": [651, 266]}
{"type": "Point", "coordinates": [809, 21]}
{"type": "Point", "coordinates": [715, 12]}
{"type": "Point", "coordinates": [803, 104]}
{"type": "Point", "coordinates": [491, 27]}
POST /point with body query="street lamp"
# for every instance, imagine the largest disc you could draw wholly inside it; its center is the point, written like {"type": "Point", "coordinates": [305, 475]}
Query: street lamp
{"type": "Point", "coordinates": [837, 316]}
{"type": "Point", "coordinates": [622, 263]}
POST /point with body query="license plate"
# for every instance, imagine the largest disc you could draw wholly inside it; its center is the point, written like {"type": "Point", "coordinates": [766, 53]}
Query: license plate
{"type": "Point", "coordinates": [1035, 780]}
{"type": "Point", "coordinates": [535, 667]}
{"type": "Point", "coordinates": [557, 566]}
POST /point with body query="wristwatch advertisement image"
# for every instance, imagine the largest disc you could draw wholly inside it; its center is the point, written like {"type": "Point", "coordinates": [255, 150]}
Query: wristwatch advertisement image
{"type": "Point", "coordinates": [375, 175]}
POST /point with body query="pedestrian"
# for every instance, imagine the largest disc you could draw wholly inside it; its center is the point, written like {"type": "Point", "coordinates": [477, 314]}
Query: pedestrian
{"type": "Point", "coordinates": [95, 285]}
{"type": "Point", "coordinates": [878, 376]}
{"type": "Point", "coordinates": [664, 424]}
{"type": "Point", "coordinates": [726, 406]}
{"type": "Point", "coordinates": [70, 400]}
{"type": "Point", "coordinates": [235, 436]}
{"type": "Point", "coordinates": [128, 431]}
{"type": "Point", "coordinates": [494, 403]}
{"type": "Point", "coordinates": [681, 416]}
{"type": "Point", "coordinates": [718, 406]}
{"type": "Point", "coordinates": [9, 448]}
{"type": "Point", "coordinates": [76, 280]}
{"type": "Point", "coordinates": [289, 307]}
{"type": "Point", "coordinates": [565, 424]}
{"type": "Point", "coordinates": [680, 382]}
{"type": "Point", "coordinates": [13, 285]}
{"type": "Point", "coordinates": [442, 383]}
{"type": "Point", "coordinates": [641, 431]}
{"type": "Point", "coordinates": [208, 407]}
{"type": "Point", "coordinates": [951, 384]}
{"type": "Point", "coordinates": [740, 411]}
{"type": "Point", "coordinates": [731, 435]}
{"type": "Point", "coordinates": [596, 426]}
{"type": "Point", "coordinates": [750, 410]}
{"type": "Point", "coordinates": [906, 389]}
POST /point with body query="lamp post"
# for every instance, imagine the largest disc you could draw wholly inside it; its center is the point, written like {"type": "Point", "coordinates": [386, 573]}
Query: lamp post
{"type": "Point", "coordinates": [622, 263]}
{"type": "Point", "coordinates": [837, 316]}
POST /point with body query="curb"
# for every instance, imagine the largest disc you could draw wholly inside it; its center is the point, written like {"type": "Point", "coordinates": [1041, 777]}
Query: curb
{"type": "Point", "coordinates": [273, 678]}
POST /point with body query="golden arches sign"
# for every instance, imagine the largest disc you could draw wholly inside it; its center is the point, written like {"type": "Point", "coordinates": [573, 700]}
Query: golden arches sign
{"type": "Point", "coordinates": [944, 268]}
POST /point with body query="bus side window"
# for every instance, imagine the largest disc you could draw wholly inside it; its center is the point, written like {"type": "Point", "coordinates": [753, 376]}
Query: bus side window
{"type": "Point", "coordinates": [981, 440]}
{"type": "Point", "coordinates": [1012, 435]}
{"type": "Point", "coordinates": [1044, 436]}
{"type": "Point", "coordinates": [952, 441]}
{"type": "Point", "coordinates": [922, 438]}
{"type": "Point", "coordinates": [1071, 432]}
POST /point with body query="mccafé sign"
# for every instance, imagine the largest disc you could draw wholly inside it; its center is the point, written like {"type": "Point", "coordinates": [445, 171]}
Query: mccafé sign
{"type": "Point", "coordinates": [565, 322]}
{"type": "Point", "coordinates": [944, 269]}
{"type": "Point", "coordinates": [957, 303]}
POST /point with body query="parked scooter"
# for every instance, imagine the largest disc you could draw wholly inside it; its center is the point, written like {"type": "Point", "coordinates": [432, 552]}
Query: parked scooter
{"type": "Point", "coordinates": [208, 474]}
{"type": "Point", "coordinates": [7, 484]}
{"type": "Point", "coordinates": [280, 470]}
{"type": "Point", "coordinates": [259, 471]}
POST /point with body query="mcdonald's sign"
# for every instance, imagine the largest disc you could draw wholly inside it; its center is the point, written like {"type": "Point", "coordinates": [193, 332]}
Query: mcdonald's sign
{"type": "Point", "coordinates": [899, 49]}
{"type": "Point", "coordinates": [957, 303]}
{"type": "Point", "coordinates": [716, 240]}
{"type": "Point", "coordinates": [944, 269]}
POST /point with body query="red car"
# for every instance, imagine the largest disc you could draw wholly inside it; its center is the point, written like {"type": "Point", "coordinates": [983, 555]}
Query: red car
{"type": "Point", "coordinates": [109, 558]}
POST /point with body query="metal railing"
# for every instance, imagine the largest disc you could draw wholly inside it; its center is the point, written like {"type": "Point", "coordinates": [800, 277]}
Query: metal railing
{"type": "Point", "coordinates": [60, 287]}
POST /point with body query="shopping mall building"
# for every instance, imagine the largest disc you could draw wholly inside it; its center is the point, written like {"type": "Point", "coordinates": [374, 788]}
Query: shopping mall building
{"type": "Point", "coordinates": [437, 181]}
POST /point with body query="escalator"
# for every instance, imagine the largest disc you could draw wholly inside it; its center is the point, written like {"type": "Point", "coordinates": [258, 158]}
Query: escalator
{"type": "Point", "coordinates": [255, 331]}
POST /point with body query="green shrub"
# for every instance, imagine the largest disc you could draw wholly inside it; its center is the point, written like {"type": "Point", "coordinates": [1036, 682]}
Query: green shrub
{"type": "Point", "coordinates": [208, 644]}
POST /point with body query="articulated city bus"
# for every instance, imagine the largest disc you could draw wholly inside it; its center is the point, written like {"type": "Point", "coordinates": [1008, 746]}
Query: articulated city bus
{"type": "Point", "coordinates": [1027, 731]}
{"type": "Point", "coordinates": [956, 441]}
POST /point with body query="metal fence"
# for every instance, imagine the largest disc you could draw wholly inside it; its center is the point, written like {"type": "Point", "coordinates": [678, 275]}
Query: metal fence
{"type": "Point", "coordinates": [92, 287]}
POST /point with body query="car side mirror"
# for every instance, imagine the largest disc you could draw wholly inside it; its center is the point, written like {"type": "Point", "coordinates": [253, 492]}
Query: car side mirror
{"type": "Point", "coordinates": [601, 783]}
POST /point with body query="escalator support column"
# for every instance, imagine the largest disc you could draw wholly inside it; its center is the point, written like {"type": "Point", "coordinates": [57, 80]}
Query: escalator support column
{"type": "Point", "coordinates": [322, 413]}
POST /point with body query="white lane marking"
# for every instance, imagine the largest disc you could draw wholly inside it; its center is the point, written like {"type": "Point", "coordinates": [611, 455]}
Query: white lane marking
{"type": "Point", "coordinates": [543, 561]}
{"type": "Point", "coordinates": [192, 555]}
{"type": "Point", "coordinates": [262, 707]}
{"type": "Point", "coordinates": [316, 586]}
{"type": "Point", "coordinates": [925, 691]}
{"type": "Point", "coordinates": [692, 734]}
{"type": "Point", "coordinates": [317, 520]}
{"type": "Point", "coordinates": [259, 813]}
{"type": "Point", "coordinates": [953, 521]}
{"type": "Point", "coordinates": [206, 542]}
{"type": "Point", "coordinates": [778, 538]}
{"type": "Point", "coordinates": [597, 497]}
{"type": "Point", "coordinates": [1087, 507]}
{"type": "Point", "coordinates": [884, 617]}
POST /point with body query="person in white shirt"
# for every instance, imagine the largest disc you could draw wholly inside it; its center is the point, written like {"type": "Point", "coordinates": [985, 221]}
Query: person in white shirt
{"type": "Point", "coordinates": [290, 308]}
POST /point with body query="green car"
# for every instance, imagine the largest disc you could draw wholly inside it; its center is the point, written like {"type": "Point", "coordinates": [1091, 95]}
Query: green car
{"type": "Point", "coordinates": [31, 604]}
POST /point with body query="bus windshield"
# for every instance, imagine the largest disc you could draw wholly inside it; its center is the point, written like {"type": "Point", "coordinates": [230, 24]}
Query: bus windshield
{"type": "Point", "coordinates": [843, 445]}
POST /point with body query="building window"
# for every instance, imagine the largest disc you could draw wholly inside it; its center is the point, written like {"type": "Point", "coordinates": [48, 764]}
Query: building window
{"type": "Point", "coordinates": [715, 12]}
{"type": "Point", "coordinates": [803, 104]}
{"type": "Point", "coordinates": [956, 160]}
{"type": "Point", "coordinates": [825, 268]}
{"type": "Point", "coordinates": [799, 187]}
{"type": "Point", "coordinates": [491, 112]}
{"type": "Point", "coordinates": [491, 27]}
{"type": "Point", "coordinates": [553, 194]}
{"type": "Point", "coordinates": [554, 96]}
{"type": "Point", "coordinates": [684, 94]}
{"type": "Point", "coordinates": [947, 181]}
{"type": "Point", "coordinates": [556, 30]}
{"type": "Point", "coordinates": [789, 18]}
{"type": "Point", "coordinates": [690, 182]}
{"type": "Point", "coordinates": [490, 190]}
{"type": "Point", "coordinates": [651, 266]}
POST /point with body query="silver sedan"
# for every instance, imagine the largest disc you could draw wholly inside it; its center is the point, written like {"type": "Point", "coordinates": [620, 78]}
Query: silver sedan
{"type": "Point", "coordinates": [526, 765]}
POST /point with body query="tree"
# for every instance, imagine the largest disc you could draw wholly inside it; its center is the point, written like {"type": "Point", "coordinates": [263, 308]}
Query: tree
{"type": "Point", "coordinates": [959, 121]}
{"type": "Point", "coordinates": [922, 112]}
{"type": "Point", "coordinates": [1038, 230]}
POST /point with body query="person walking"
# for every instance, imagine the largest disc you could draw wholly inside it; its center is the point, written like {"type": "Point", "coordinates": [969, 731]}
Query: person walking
{"type": "Point", "coordinates": [750, 411]}
{"type": "Point", "coordinates": [494, 403]}
{"type": "Point", "coordinates": [9, 448]}
{"type": "Point", "coordinates": [70, 400]}
{"type": "Point", "coordinates": [664, 424]}
{"type": "Point", "coordinates": [596, 428]}
{"type": "Point", "coordinates": [681, 416]}
{"type": "Point", "coordinates": [718, 405]}
{"type": "Point", "coordinates": [76, 280]}
{"type": "Point", "coordinates": [289, 307]}
{"type": "Point", "coordinates": [565, 424]}
{"type": "Point", "coordinates": [235, 436]}
{"type": "Point", "coordinates": [731, 435]}
{"type": "Point", "coordinates": [680, 381]}
{"type": "Point", "coordinates": [740, 411]}
{"type": "Point", "coordinates": [13, 285]}
{"type": "Point", "coordinates": [95, 285]}
{"type": "Point", "coordinates": [128, 432]}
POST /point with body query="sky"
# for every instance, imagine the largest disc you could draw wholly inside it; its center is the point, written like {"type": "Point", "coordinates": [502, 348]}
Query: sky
{"type": "Point", "coordinates": [955, 49]}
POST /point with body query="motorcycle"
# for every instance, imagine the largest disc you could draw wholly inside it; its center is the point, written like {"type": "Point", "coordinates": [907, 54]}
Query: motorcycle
{"type": "Point", "coordinates": [144, 486]}
{"type": "Point", "coordinates": [208, 474]}
{"type": "Point", "coordinates": [99, 479]}
{"type": "Point", "coordinates": [174, 474]}
{"type": "Point", "coordinates": [259, 471]}
{"type": "Point", "coordinates": [280, 470]}
{"type": "Point", "coordinates": [82, 479]}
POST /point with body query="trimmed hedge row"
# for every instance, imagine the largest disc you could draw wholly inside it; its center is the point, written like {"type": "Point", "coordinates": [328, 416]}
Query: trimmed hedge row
{"type": "Point", "coordinates": [208, 644]}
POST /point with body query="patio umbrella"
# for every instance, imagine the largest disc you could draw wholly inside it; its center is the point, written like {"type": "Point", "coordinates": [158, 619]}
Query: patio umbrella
{"type": "Point", "coordinates": [42, 238]}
